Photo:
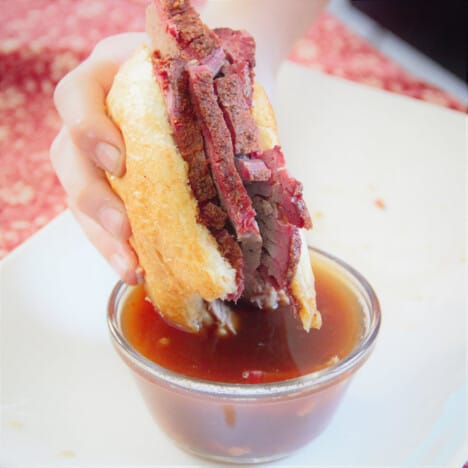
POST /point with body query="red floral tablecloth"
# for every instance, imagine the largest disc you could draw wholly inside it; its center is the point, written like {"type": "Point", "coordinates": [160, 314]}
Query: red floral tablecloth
{"type": "Point", "coordinates": [41, 40]}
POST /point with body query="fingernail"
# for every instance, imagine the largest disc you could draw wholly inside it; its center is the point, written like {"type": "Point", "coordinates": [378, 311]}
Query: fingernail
{"type": "Point", "coordinates": [119, 264]}
{"type": "Point", "coordinates": [140, 275]}
{"type": "Point", "coordinates": [111, 220]}
{"type": "Point", "coordinates": [108, 156]}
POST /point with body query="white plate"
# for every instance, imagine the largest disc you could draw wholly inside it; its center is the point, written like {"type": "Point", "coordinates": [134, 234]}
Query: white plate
{"type": "Point", "coordinates": [66, 399]}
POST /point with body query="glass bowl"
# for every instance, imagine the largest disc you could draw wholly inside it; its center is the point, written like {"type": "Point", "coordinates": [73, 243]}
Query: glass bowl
{"type": "Point", "coordinates": [248, 423]}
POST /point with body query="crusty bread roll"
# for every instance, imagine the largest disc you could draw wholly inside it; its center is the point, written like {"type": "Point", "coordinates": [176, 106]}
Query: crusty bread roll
{"type": "Point", "coordinates": [180, 257]}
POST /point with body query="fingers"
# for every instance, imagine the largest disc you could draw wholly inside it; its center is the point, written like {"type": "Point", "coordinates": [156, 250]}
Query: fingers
{"type": "Point", "coordinates": [80, 101]}
{"type": "Point", "coordinates": [119, 254]}
{"type": "Point", "coordinates": [87, 187]}
{"type": "Point", "coordinates": [90, 142]}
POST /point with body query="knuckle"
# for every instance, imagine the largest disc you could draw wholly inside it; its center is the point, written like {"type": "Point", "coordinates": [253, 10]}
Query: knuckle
{"type": "Point", "coordinates": [67, 85]}
{"type": "Point", "coordinates": [86, 133]}
{"type": "Point", "coordinates": [81, 133]}
{"type": "Point", "coordinates": [84, 199]}
{"type": "Point", "coordinates": [92, 195]}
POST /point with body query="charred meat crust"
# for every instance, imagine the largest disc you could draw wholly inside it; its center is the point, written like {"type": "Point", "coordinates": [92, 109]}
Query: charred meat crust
{"type": "Point", "coordinates": [237, 115]}
{"type": "Point", "coordinates": [220, 153]}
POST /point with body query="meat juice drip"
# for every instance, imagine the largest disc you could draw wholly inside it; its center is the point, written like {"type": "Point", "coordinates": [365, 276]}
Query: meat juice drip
{"type": "Point", "coordinates": [269, 345]}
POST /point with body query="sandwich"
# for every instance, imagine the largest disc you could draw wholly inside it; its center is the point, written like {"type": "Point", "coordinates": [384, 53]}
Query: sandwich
{"type": "Point", "coordinates": [216, 218]}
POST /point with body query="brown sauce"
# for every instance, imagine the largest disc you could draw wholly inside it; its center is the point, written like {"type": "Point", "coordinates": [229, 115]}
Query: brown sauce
{"type": "Point", "coordinates": [269, 346]}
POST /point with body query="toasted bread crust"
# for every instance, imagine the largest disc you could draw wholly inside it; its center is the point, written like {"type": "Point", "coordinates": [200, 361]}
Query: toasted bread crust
{"type": "Point", "coordinates": [265, 118]}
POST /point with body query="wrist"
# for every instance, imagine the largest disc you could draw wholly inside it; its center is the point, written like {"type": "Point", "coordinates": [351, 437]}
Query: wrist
{"type": "Point", "coordinates": [275, 24]}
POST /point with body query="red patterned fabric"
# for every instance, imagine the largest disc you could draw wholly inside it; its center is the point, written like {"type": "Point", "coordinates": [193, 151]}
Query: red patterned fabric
{"type": "Point", "coordinates": [41, 40]}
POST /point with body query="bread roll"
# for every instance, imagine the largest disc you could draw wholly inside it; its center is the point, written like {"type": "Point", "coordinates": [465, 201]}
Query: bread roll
{"type": "Point", "coordinates": [180, 257]}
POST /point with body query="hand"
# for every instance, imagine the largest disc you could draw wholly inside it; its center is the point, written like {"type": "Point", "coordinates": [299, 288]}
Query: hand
{"type": "Point", "coordinates": [90, 143]}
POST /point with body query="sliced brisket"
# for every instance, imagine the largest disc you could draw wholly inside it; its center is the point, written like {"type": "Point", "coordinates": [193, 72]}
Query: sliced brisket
{"type": "Point", "coordinates": [173, 79]}
{"type": "Point", "coordinates": [239, 47]}
{"type": "Point", "coordinates": [214, 61]}
{"type": "Point", "coordinates": [219, 149]}
{"type": "Point", "coordinates": [284, 190]}
{"type": "Point", "coordinates": [281, 243]}
{"type": "Point", "coordinates": [233, 254]}
{"type": "Point", "coordinates": [213, 216]}
{"type": "Point", "coordinates": [252, 169]}
{"type": "Point", "coordinates": [207, 79]}
{"type": "Point", "coordinates": [281, 211]}
{"type": "Point", "coordinates": [178, 26]}
{"type": "Point", "coordinates": [237, 114]}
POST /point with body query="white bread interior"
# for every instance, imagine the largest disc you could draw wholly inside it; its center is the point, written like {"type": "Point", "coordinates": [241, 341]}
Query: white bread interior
{"type": "Point", "coordinates": [179, 256]}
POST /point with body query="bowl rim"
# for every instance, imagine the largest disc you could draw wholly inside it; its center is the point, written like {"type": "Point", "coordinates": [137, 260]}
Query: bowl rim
{"type": "Point", "coordinates": [297, 385]}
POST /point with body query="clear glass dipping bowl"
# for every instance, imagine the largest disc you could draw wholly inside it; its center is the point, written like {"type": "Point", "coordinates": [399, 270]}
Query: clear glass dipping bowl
{"type": "Point", "coordinates": [248, 423]}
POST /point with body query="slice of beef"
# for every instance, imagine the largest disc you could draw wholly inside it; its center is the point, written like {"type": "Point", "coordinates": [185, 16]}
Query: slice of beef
{"type": "Point", "coordinates": [185, 26]}
{"type": "Point", "coordinates": [237, 114]}
{"type": "Point", "coordinates": [213, 216]}
{"type": "Point", "coordinates": [270, 286]}
{"type": "Point", "coordinates": [281, 211]}
{"type": "Point", "coordinates": [279, 259]}
{"type": "Point", "coordinates": [214, 61]}
{"type": "Point", "coordinates": [284, 190]}
{"type": "Point", "coordinates": [246, 78]}
{"type": "Point", "coordinates": [252, 169]}
{"type": "Point", "coordinates": [226, 318]}
{"type": "Point", "coordinates": [281, 243]}
{"type": "Point", "coordinates": [219, 149]}
{"type": "Point", "coordinates": [229, 97]}
{"type": "Point", "coordinates": [260, 291]}
{"type": "Point", "coordinates": [234, 255]}
{"type": "Point", "coordinates": [209, 91]}
{"type": "Point", "coordinates": [199, 176]}
{"type": "Point", "coordinates": [173, 79]}
{"type": "Point", "coordinates": [175, 28]}
{"type": "Point", "coordinates": [200, 48]}
{"type": "Point", "coordinates": [239, 45]}
{"type": "Point", "coordinates": [170, 8]}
